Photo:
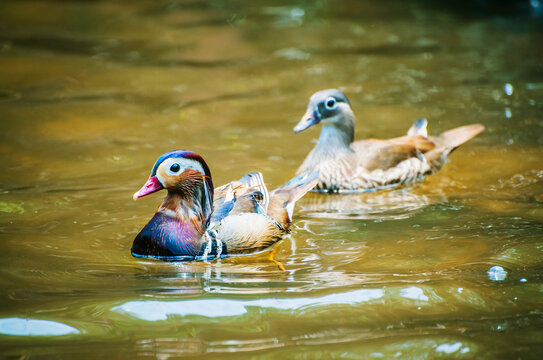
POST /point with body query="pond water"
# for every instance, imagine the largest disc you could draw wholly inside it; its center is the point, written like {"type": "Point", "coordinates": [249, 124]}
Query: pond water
{"type": "Point", "coordinates": [92, 92]}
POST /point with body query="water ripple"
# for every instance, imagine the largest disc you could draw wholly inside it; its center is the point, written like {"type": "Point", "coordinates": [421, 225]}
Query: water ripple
{"type": "Point", "coordinates": [161, 310]}
{"type": "Point", "coordinates": [33, 327]}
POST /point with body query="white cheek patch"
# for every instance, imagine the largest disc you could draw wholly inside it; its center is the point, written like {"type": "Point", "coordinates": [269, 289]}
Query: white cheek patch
{"type": "Point", "coordinates": [184, 164]}
{"type": "Point", "coordinates": [190, 164]}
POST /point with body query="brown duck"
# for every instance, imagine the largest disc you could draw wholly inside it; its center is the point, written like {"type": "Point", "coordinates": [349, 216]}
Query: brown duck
{"type": "Point", "coordinates": [345, 165]}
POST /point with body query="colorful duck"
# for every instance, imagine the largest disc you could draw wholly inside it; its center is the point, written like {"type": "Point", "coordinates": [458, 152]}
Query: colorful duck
{"type": "Point", "coordinates": [197, 222]}
{"type": "Point", "coordinates": [345, 165]}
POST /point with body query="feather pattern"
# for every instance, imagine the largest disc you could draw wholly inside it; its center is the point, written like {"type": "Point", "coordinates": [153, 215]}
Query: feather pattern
{"type": "Point", "coordinates": [167, 236]}
{"type": "Point", "coordinates": [242, 218]}
{"type": "Point", "coordinates": [367, 165]}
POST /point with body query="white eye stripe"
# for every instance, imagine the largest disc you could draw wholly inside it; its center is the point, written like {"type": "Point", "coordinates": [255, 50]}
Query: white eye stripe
{"type": "Point", "coordinates": [183, 165]}
{"type": "Point", "coordinates": [330, 103]}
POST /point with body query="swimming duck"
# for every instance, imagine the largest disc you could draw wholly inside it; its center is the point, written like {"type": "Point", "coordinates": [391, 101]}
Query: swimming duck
{"type": "Point", "coordinates": [197, 222]}
{"type": "Point", "coordinates": [345, 165]}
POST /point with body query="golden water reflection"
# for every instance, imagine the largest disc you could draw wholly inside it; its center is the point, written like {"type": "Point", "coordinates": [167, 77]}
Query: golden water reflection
{"type": "Point", "coordinates": [92, 92]}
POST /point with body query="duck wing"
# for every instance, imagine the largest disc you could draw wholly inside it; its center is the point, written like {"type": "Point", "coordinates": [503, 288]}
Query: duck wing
{"type": "Point", "coordinates": [240, 219]}
{"type": "Point", "coordinates": [373, 154]}
{"type": "Point", "coordinates": [248, 194]}
{"type": "Point", "coordinates": [247, 229]}
{"type": "Point", "coordinates": [407, 158]}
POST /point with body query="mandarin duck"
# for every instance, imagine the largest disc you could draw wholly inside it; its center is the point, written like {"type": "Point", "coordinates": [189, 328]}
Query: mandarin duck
{"type": "Point", "coordinates": [345, 165]}
{"type": "Point", "coordinates": [197, 222]}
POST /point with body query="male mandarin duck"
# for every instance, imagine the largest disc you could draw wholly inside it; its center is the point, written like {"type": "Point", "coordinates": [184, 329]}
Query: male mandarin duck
{"type": "Point", "coordinates": [196, 222]}
{"type": "Point", "coordinates": [345, 165]}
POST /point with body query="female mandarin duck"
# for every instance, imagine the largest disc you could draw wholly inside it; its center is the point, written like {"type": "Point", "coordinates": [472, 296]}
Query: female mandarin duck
{"type": "Point", "coordinates": [196, 222]}
{"type": "Point", "coordinates": [345, 165]}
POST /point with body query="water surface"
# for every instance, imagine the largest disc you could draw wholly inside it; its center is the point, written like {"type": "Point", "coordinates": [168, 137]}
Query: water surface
{"type": "Point", "coordinates": [91, 93]}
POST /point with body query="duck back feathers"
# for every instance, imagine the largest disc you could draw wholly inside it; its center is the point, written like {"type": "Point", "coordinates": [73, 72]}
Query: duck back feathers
{"type": "Point", "coordinates": [258, 218]}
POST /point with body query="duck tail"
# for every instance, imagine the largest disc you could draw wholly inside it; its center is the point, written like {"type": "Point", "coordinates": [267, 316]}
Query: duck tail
{"type": "Point", "coordinates": [449, 141]}
{"type": "Point", "coordinates": [282, 199]}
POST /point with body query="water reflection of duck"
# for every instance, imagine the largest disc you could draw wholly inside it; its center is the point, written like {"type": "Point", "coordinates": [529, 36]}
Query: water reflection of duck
{"type": "Point", "coordinates": [385, 205]}
{"type": "Point", "coordinates": [371, 164]}
{"type": "Point", "coordinates": [196, 222]}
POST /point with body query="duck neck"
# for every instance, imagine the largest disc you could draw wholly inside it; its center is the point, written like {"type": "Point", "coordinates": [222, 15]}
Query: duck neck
{"type": "Point", "coordinates": [177, 229]}
{"type": "Point", "coordinates": [335, 137]}
{"type": "Point", "coordinates": [188, 210]}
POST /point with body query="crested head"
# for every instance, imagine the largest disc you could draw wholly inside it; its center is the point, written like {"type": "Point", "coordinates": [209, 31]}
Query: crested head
{"type": "Point", "coordinates": [175, 166]}
{"type": "Point", "coordinates": [187, 178]}
{"type": "Point", "coordinates": [178, 171]}
{"type": "Point", "coordinates": [181, 154]}
{"type": "Point", "coordinates": [329, 107]}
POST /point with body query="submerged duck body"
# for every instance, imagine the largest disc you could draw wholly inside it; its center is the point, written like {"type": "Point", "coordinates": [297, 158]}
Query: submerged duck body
{"type": "Point", "coordinates": [196, 221]}
{"type": "Point", "coordinates": [345, 165]}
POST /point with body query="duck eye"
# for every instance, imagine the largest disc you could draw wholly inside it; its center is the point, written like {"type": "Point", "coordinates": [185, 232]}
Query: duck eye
{"type": "Point", "coordinates": [330, 103]}
{"type": "Point", "coordinates": [175, 168]}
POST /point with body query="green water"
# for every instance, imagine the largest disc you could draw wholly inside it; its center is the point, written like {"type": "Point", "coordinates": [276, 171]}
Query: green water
{"type": "Point", "coordinates": [92, 92]}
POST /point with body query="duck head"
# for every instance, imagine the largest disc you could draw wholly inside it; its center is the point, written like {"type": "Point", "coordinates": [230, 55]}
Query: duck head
{"type": "Point", "coordinates": [330, 108]}
{"type": "Point", "coordinates": [186, 176]}
{"type": "Point", "coordinates": [179, 172]}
